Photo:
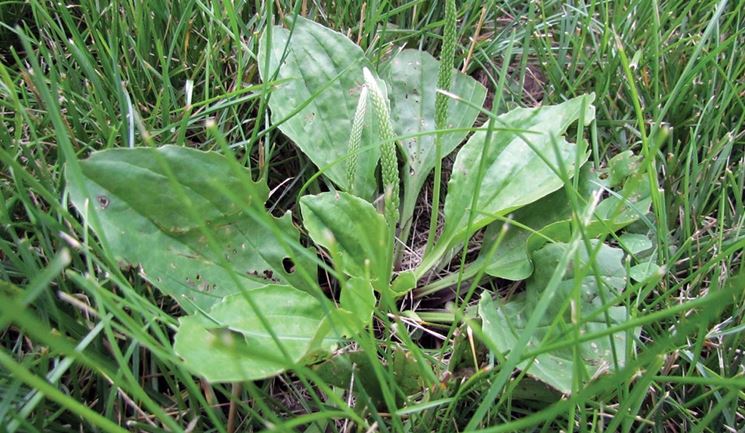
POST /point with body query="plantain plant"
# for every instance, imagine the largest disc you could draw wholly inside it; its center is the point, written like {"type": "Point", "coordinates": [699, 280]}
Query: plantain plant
{"type": "Point", "coordinates": [195, 225]}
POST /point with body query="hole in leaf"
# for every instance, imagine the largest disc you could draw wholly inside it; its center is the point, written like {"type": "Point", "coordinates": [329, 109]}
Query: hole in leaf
{"type": "Point", "coordinates": [288, 265]}
{"type": "Point", "coordinates": [103, 201]}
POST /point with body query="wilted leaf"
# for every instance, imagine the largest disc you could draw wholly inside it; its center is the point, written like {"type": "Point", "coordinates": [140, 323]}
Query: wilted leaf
{"type": "Point", "coordinates": [156, 208]}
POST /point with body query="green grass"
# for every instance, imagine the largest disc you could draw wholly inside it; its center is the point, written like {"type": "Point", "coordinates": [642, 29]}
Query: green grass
{"type": "Point", "coordinates": [87, 346]}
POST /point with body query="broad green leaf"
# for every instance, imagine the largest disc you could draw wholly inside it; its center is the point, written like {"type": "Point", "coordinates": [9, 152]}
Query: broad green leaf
{"type": "Point", "coordinates": [640, 246]}
{"type": "Point", "coordinates": [626, 206]}
{"type": "Point", "coordinates": [320, 80]}
{"type": "Point", "coordinates": [503, 322]}
{"type": "Point", "coordinates": [404, 282]}
{"type": "Point", "coordinates": [358, 298]}
{"type": "Point", "coordinates": [232, 344]}
{"type": "Point", "coordinates": [516, 173]}
{"type": "Point", "coordinates": [635, 243]}
{"type": "Point", "coordinates": [549, 218]}
{"type": "Point", "coordinates": [646, 270]}
{"type": "Point", "coordinates": [346, 224]}
{"type": "Point", "coordinates": [531, 389]}
{"type": "Point", "coordinates": [157, 206]}
{"type": "Point", "coordinates": [511, 259]}
{"type": "Point", "coordinates": [412, 78]}
{"type": "Point", "coordinates": [622, 166]}
{"type": "Point", "coordinates": [608, 261]}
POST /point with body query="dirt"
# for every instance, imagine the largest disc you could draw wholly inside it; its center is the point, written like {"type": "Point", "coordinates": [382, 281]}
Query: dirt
{"type": "Point", "coordinates": [532, 89]}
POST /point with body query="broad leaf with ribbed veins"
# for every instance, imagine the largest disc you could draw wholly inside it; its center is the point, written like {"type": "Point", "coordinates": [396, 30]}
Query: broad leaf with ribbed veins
{"type": "Point", "coordinates": [197, 228]}
{"type": "Point", "coordinates": [504, 321]}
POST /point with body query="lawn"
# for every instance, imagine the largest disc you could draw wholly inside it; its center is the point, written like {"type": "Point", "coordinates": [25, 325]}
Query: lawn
{"type": "Point", "coordinates": [359, 216]}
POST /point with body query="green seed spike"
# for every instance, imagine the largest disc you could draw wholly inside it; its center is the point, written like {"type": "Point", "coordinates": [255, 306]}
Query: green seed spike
{"type": "Point", "coordinates": [444, 79]}
{"type": "Point", "coordinates": [355, 138]}
{"type": "Point", "coordinates": [445, 75]}
{"type": "Point", "coordinates": [388, 161]}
